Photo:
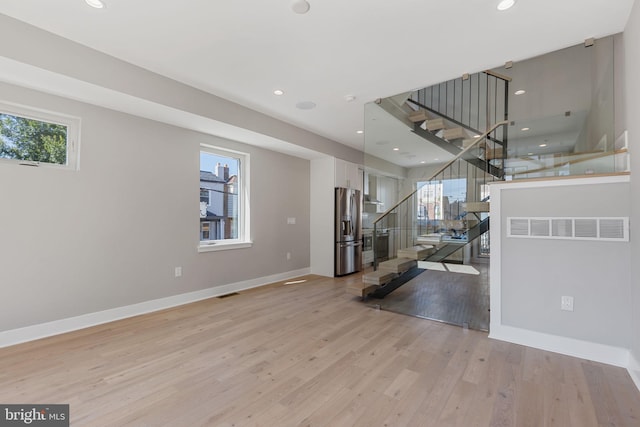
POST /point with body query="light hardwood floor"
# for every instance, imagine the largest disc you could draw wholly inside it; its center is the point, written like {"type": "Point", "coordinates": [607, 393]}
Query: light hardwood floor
{"type": "Point", "coordinates": [308, 355]}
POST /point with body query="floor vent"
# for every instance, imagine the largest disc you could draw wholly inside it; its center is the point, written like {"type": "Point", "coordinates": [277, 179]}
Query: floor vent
{"type": "Point", "coordinates": [228, 295]}
{"type": "Point", "coordinates": [612, 229]}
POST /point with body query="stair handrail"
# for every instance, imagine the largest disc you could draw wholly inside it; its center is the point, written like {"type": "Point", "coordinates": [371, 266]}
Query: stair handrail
{"type": "Point", "coordinates": [446, 165]}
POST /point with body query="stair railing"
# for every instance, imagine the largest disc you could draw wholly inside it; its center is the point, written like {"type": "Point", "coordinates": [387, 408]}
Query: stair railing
{"type": "Point", "coordinates": [387, 217]}
{"type": "Point", "coordinates": [473, 101]}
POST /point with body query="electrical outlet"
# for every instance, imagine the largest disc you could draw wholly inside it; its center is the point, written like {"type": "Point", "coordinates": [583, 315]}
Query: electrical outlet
{"type": "Point", "coordinates": [178, 271]}
{"type": "Point", "coordinates": [288, 256]}
{"type": "Point", "coordinates": [566, 303]}
{"type": "Point", "coordinates": [291, 220]}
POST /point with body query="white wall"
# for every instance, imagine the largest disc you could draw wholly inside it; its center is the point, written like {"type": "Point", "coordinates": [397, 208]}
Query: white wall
{"type": "Point", "coordinates": [111, 233]}
{"type": "Point", "coordinates": [53, 64]}
{"type": "Point", "coordinates": [632, 97]}
{"type": "Point", "coordinates": [529, 276]}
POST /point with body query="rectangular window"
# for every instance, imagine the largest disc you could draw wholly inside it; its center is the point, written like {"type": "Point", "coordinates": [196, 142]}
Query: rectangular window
{"type": "Point", "coordinates": [224, 199]}
{"type": "Point", "coordinates": [204, 196]}
{"type": "Point", "coordinates": [37, 138]}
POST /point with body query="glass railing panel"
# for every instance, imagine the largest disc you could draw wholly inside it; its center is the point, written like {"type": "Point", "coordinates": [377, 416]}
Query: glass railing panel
{"type": "Point", "coordinates": [561, 108]}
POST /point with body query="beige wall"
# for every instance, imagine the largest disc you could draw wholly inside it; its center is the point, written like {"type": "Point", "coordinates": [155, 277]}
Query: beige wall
{"type": "Point", "coordinates": [111, 233]}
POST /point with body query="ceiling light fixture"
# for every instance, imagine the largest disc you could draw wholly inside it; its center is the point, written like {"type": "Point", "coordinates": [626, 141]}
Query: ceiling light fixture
{"type": "Point", "coordinates": [524, 129]}
{"type": "Point", "coordinates": [542, 145]}
{"type": "Point", "coordinates": [98, 4]}
{"type": "Point", "coordinates": [423, 162]}
{"type": "Point", "coordinates": [278, 92]}
{"type": "Point", "coordinates": [506, 4]}
{"type": "Point", "coordinates": [520, 92]}
{"type": "Point", "coordinates": [300, 6]}
{"type": "Point", "coordinates": [396, 149]}
{"type": "Point", "coordinates": [350, 98]}
{"type": "Point", "coordinates": [359, 132]}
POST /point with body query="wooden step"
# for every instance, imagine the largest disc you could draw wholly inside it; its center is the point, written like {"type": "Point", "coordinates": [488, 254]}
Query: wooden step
{"type": "Point", "coordinates": [493, 153]}
{"type": "Point", "coordinates": [454, 133]}
{"type": "Point", "coordinates": [397, 265]}
{"type": "Point", "coordinates": [417, 252]}
{"type": "Point", "coordinates": [418, 116]}
{"type": "Point", "coordinates": [361, 290]}
{"type": "Point", "coordinates": [435, 124]}
{"type": "Point", "coordinates": [477, 207]}
{"type": "Point", "coordinates": [469, 141]}
{"type": "Point", "coordinates": [377, 278]}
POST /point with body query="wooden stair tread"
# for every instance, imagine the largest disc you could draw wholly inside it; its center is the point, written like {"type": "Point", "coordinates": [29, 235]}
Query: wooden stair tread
{"type": "Point", "coordinates": [361, 291]}
{"type": "Point", "coordinates": [435, 124]}
{"type": "Point", "coordinates": [418, 116]}
{"type": "Point", "coordinates": [417, 252]}
{"type": "Point", "coordinates": [378, 277]}
{"type": "Point", "coordinates": [398, 265]}
{"type": "Point", "coordinates": [454, 133]}
{"type": "Point", "coordinates": [477, 207]}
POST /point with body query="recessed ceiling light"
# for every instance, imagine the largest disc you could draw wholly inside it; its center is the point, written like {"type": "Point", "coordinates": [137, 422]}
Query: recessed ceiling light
{"type": "Point", "coordinates": [396, 149]}
{"type": "Point", "coordinates": [520, 92]}
{"type": "Point", "coordinates": [278, 92]}
{"type": "Point", "coordinates": [98, 4]}
{"type": "Point", "coordinates": [300, 6]}
{"type": "Point", "coordinates": [306, 105]}
{"type": "Point", "coordinates": [524, 129]}
{"type": "Point", "coordinates": [506, 4]}
{"type": "Point", "coordinates": [542, 145]}
{"type": "Point", "coordinates": [359, 131]}
{"type": "Point", "coordinates": [436, 159]}
{"type": "Point", "coordinates": [350, 98]}
{"type": "Point", "coordinates": [529, 154]}
{"type": "Point", "coordinates": [476, 136]}
{"type": "Point", "coordinates": [423, 162]}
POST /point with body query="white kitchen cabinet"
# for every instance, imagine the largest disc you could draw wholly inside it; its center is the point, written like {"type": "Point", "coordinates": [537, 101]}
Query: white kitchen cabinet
{"type": "Point", "coordinates": [347, 175]}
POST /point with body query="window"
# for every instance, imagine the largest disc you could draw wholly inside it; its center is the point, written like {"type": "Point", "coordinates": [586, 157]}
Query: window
{"type": "Point", "coordinates": [224, 201]}
{"type": "Point", "coordinates": [34, 138]}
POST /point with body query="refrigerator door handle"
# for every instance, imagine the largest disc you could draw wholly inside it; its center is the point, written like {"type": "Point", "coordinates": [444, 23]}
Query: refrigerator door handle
{"type": "Point", "coordinates": [349, 245]}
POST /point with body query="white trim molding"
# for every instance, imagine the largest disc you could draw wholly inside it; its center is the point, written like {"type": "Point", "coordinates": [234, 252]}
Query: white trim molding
{"type": "Point", "coordinates": [602, 353]}
{"type": "Point", "coordinates": [634, 370]}
{"type": "Point", "coordinates": [56, 327]}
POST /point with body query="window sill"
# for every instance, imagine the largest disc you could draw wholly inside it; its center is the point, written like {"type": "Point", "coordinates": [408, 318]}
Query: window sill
{"type": "Point", "coordinates": [223, 246]}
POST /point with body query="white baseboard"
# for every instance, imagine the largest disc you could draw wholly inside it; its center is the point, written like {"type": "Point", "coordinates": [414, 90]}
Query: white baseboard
{"type": "Point", "coordinates": [634, 370]}
{"type": "Point", "coordinates": [610, 355]}
{"type": "Point", "coordinates": [43, 330]}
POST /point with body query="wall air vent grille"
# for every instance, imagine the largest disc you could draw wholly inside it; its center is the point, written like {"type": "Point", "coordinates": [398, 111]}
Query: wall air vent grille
{"type": "Point", "coordinates": [519, 227]}
{"type": "Point", "coordinates": [603, 229]}
{"type": "Point", "coordinates": [539, 227]}
{"type": "Point", "coordinates": [561, 228]}
{"type": "Point", "coordinates": [587, 228]}
{"type": "Point", "coordinates": [612, 228]}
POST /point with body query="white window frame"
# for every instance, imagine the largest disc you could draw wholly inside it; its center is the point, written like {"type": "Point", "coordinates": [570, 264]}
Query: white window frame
{"type": "Point", "coordinates": [244, 216]}
{"type": "Point", "coordinates": [70, 122]}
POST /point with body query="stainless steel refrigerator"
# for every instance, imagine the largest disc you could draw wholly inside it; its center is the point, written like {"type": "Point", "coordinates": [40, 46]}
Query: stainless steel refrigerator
{"type": "Point", "coordinates": [348, 231]}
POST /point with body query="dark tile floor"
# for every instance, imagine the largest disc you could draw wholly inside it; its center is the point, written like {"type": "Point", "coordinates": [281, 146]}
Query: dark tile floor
{"type": "Point", "coordinates": [454, 298]}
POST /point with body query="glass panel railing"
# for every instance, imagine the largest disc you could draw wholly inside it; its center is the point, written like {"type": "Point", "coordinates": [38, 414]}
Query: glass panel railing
{"type": "Point", "coordinates": [536, 166]}
{"type": "Point", "coordinates": [561, 109]}
{"type": "Point", "coordinates": [447, 210]}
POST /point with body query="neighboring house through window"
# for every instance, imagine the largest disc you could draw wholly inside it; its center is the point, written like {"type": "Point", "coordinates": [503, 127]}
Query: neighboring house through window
{"type": "Point", "coordinates": [224, 209]}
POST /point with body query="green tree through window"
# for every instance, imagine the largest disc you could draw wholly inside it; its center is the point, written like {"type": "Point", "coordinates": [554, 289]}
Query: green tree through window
{"type": "Point", "coordinates": [32, 140]}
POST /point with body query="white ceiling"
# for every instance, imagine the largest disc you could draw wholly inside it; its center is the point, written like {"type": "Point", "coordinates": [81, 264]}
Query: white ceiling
{"type": "Point", "coordinates": [242, 50]}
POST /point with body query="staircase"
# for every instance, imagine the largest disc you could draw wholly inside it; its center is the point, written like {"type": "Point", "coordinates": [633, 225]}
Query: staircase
{"type": "Point", "coordinates": [449, 209]}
